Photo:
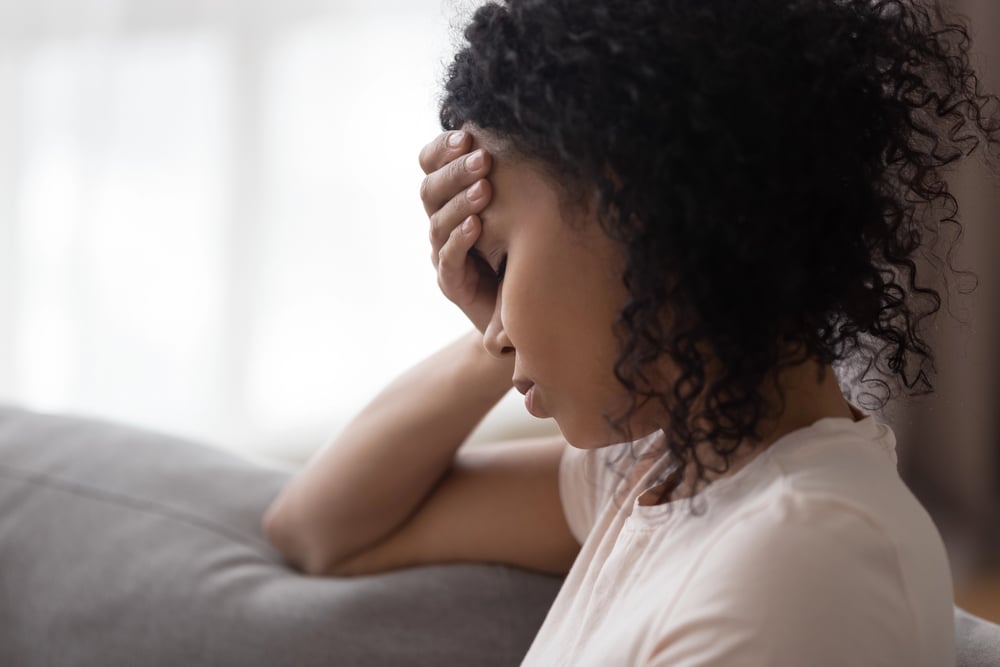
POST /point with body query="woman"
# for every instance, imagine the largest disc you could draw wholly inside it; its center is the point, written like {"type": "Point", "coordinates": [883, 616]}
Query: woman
{"type": "Point", "coordinates": [683, 230]}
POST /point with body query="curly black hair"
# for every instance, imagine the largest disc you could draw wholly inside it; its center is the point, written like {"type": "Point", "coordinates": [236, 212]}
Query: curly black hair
{"type": "Point", "coordinates": [773, 168]}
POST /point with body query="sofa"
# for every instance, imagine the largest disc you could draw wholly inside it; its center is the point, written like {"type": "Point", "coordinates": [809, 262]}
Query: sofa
{"type": "Point", "coordinates": [121, 546]}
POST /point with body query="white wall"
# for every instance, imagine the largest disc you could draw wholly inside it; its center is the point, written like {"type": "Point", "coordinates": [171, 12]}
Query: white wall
{"type": "Point", "coordinates": [209, 220]}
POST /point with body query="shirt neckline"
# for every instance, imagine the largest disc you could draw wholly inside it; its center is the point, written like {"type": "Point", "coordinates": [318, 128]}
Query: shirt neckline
{"type": "Point", "coordinates": [867, 428]}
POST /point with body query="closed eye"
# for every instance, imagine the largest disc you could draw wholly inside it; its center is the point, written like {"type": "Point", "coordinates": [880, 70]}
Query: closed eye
{"type": "Point", "coordinates": [489, 258]}
{"type": "Point", "coordinates": [501, 269]}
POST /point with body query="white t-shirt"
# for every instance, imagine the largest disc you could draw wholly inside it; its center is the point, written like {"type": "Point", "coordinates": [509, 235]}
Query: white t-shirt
{"type": "Point", "coordinates": [814, 553]}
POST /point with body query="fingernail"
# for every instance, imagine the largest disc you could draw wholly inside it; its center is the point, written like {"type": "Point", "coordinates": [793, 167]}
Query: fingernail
{"type": "Point", "coordinates": [455, 139]}
{"type": "Point", "coordinates": [476, 191]}
{"type": "Point", "coordinates": [474, 161]}
{"type": "Point", "coordinates": [467, 225]}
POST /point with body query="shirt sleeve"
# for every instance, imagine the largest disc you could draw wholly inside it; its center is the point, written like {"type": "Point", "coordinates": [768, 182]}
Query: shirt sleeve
{"type": "Point", "coordinates": [798, 582]}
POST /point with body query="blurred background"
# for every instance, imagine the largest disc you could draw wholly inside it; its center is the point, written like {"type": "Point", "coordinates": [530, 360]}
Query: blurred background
{"type": "Point", "coordinates": [209, 210]}
{"type": "Point", "coordinates": [209, 225]}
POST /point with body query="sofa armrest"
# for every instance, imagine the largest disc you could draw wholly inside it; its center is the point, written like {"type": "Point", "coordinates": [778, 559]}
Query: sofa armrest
{"type": "Point", "coordinates": [124, 546]}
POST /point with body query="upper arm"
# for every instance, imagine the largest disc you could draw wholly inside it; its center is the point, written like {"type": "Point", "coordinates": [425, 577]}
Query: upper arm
{"type": "Point", "coordinates": [497, 503]}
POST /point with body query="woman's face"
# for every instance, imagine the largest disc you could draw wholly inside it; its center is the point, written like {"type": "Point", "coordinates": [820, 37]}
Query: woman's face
{"type": "Point", "coordinates": [557, 302]}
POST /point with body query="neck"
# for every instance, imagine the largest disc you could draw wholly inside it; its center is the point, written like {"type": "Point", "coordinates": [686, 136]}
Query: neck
{"type": "Point", "coordinates": [807, 400]}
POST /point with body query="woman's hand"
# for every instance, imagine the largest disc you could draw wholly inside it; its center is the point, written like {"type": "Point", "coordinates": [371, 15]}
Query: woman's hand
{"type": "Point", "coordinates": [454, 191]}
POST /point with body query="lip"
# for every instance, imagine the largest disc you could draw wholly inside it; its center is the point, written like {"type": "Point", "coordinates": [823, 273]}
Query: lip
{"type": "Point", "coordinates": [527, 387]}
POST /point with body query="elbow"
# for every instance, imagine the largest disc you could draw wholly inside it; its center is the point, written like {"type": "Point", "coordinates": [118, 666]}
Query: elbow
{"type": "Point", "coordinates": [296, 542]}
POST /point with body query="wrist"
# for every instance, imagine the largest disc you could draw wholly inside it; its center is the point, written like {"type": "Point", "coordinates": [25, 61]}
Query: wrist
{"type": "Point", "coordinates": [492, 372]}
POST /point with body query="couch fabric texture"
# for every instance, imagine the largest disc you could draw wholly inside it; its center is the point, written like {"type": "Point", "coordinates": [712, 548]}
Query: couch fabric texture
{"type": "Point", "coordinates": [119, 546]}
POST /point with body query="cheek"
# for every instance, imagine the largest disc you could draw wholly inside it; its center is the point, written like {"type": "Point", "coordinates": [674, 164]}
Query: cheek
{"type": "Point", "coordinates": [523, 299]}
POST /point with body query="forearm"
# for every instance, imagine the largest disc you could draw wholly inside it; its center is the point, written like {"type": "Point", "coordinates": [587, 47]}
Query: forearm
{"type": "Point", "coordinates": [370, 479]}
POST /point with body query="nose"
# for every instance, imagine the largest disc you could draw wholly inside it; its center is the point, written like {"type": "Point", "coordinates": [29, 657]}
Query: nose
{"type": "Point", "coordinates": [495, 339]}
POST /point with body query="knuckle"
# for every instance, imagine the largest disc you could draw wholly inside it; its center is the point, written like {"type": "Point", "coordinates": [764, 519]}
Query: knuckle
{"type": "Point", "coordinates": [431, 154]}
{"type": "Point", "coordinates": [457, 233]}
{"type": "Point", "coordinates": [458, 205]}
{"type": "Point", "coordinates": [457, 172]}
{"type": "Point", "coordinates": [441, 143]}
{"type": "Point", "coordinates": [437, 232]}
{"type": "Point", "coordinates": [425, 157]}
{"type": "Point", "coordinates": [443, 255]}
{"type": "Point", "coordinates": [425, 189]}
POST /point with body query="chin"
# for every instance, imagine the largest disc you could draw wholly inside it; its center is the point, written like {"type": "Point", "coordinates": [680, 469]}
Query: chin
{"type": "Point", "coordinates": [594, 435]}
{"type": "Point", "coordinates": [587, 436]}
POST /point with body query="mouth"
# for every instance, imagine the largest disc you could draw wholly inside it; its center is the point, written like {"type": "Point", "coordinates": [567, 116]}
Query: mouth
{"type": "Point", "coordinates": [531, 403]}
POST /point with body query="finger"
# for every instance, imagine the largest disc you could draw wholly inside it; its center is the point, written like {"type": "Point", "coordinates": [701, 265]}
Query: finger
{"type": "Point", "coordinates": [443, 184]}
{"type": "Point", "coordinates": [454, 255]}
{"type": "Point", "coordinates": [444, 148]}
{"type": "Point", "coordinates": [470, 201]}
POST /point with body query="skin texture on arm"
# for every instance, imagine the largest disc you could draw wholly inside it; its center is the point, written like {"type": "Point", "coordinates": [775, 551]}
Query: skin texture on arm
{"type": "Point", "coordinates": [498, 503]}
{"type": "Point", "coordinates": [368, 481]}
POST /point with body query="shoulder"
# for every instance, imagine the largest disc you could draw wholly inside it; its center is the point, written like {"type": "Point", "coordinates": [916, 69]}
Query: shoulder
{"type": "Point", "coordinates": [786, 536]}
{"type": "Point", "coordinates": [818, 554]}
{"type": "Point", "coordinates": [797, 576]}
{"type": "Point", "coordinates": [833, 499]}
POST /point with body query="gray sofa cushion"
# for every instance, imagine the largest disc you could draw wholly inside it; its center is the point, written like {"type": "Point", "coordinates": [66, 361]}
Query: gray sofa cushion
{"type": "Point", "coordinates": [977, 641]}
{"type": "Point", "coordinates": [119, 546]}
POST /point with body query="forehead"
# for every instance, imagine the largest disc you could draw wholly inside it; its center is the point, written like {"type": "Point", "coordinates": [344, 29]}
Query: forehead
{"type": "Point", "coordinates": [509, 165]}
{"type": "Point", "coordinates": [515, 180]}
{"type": "Point", "coordinates": [575, 199]}
{"type": "Point", "coordinates": [519, 179]}
{"type": "Point", "coordinates": [498, 148]}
